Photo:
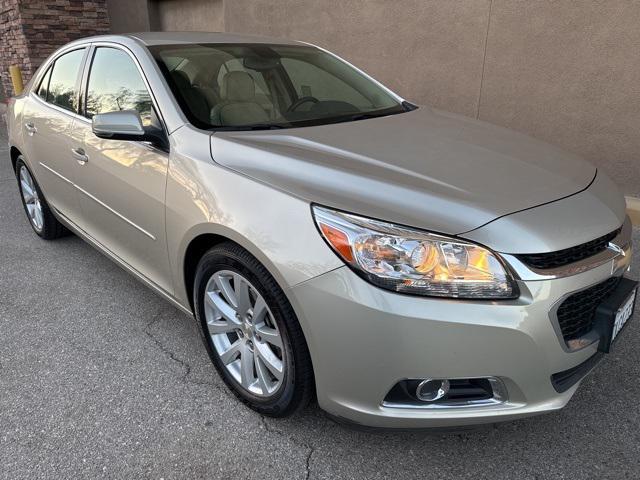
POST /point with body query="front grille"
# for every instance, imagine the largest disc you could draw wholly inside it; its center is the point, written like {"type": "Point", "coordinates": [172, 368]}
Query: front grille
{"type": "Point", "coordinates": [559, 258]}
{"type": "Point", "coordinates": [577, 312]}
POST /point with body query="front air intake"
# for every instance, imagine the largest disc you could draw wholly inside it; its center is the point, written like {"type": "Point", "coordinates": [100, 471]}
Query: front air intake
{"type": "Point", "coordinates": [577, 312]}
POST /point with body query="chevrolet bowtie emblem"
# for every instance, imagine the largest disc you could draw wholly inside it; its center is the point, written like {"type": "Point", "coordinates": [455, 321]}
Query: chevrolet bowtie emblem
{"type": "Point", "coordinates": [616, 248]}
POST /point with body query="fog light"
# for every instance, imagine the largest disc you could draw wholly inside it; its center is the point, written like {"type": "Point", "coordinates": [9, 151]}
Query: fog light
{"type": "Point", "coordinates": [432, 390]}
{"type": "Point", "coordinates": [446, 393]}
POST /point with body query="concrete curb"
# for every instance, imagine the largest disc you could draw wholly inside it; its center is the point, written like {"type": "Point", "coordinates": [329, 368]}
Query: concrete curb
{"type": "Point", "coordinates": [633, 209]}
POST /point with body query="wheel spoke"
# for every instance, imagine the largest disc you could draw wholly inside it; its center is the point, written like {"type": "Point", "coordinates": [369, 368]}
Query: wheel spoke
{"type": "Point", "coordinates": [259, 310]}
{"type": "Point", "coordinates": [221, 306]}
{"type": "Point", "coordinates": [269, 335]}
{"type": "Point", "coordinates": [264, 382]}
{"type": "Point", "coordinates": [246, 367]}
{"type": "Point", "coordinates": [273, 363]}
{"type": "Point", "coordinates": [241, 288]}
{"type": "Point", "coordinates": [230, 354]}
{"type": "Point", "coordinates": [38, 217]}
{"type": "Point", "coordinates": [224, 285]}
{"type": "Point", "coordinates": [30, 181]}
{"type": "Point", "coordinates": [221, 326]}
{"type": "Point", "coordinates": [27, 191]}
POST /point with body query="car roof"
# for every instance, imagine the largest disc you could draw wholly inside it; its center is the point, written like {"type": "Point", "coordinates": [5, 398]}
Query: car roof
{"type": "Point", "coordinates": [171, 38]}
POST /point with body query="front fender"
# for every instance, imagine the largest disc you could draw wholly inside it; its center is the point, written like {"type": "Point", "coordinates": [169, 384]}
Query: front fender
{"type": "Point", "coordinates": [203, 197]}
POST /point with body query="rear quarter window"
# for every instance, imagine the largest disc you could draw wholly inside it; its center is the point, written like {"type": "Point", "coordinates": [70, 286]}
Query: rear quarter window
{"type": "Point", "coordinates": [63, 85]}
{"type": "Point", "coordinates": [43, 88]}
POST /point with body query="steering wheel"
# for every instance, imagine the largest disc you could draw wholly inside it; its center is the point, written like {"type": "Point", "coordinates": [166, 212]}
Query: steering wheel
{"type": "Point", "coordinates": [302, 100]}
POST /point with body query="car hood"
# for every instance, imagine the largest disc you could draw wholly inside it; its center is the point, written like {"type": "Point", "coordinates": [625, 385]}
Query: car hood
{"type": "Point", "coordinates": [425, 168]}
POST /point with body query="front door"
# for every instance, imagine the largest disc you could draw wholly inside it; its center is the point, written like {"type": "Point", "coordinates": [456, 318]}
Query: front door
{"type": "Point", "coordinates": [122, 183]}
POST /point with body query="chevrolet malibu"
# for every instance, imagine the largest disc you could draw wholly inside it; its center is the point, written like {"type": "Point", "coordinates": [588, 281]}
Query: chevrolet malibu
{"type": "Point", "coordinates": [405, 266]}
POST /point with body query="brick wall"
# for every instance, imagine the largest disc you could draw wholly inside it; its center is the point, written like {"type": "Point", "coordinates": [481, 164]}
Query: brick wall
{"type": "Point", "coordinates": [32, 29]}
{"type": "Point", "coordinates": [13, 45]}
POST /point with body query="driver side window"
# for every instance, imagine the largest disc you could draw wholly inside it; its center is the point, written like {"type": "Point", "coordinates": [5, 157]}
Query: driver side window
{"type": "Point", "coordinates": [115, 84]}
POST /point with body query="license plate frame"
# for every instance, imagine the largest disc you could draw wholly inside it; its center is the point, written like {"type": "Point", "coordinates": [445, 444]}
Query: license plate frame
{"type": "Point", "coordinates": [615, 312]}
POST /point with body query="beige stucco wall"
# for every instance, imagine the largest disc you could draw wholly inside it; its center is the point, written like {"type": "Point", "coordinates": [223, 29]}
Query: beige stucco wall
{"type": "Point", "coordinates": [569, 72]}
{"type": "Point", "coordinates": [128, 15]}
{"type": "Point", "coordinates": [566, 71]}
{"type": "Point", "coordinates": [178, 15]}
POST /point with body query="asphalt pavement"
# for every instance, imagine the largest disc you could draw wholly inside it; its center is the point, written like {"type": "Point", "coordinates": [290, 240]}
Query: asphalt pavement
{"type": "Point", "coordinates": [101, 378]}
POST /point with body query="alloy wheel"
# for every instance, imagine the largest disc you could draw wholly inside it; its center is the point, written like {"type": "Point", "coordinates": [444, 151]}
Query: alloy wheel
{"type": "Point", "coordinates": [244, 333]}
{"type": "Point", "coordinates": [31, 199]}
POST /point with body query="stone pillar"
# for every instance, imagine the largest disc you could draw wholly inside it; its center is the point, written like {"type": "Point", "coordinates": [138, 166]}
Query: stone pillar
{"type": "Point", "coordinates": [32, 29]}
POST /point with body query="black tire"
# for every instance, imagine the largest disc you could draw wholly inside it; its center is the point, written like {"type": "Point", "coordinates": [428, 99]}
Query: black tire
{"type": "Point", "coordinates": [51, 227]}
{"type": "Point", "coordinates": [297, 387]}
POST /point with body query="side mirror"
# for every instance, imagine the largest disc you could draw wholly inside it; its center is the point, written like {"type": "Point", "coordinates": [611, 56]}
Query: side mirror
{"type": "Point", "coordinates": [127, 125]}
{"type": "Point", "coordinates": [121, 125]}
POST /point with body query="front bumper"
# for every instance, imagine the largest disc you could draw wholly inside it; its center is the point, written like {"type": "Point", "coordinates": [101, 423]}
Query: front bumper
{"type": "Point", "coordinates": [363, 340]}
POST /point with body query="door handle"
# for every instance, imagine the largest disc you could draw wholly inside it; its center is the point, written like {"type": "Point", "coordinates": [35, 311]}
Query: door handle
{"type": "Point", "coordinates": [30, 128]}
{"type": "Point", "coordinates": [79, 155]}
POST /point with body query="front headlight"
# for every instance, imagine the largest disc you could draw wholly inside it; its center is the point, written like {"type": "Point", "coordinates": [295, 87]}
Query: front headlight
{"type": "Point", "coordinates": [411, 261]}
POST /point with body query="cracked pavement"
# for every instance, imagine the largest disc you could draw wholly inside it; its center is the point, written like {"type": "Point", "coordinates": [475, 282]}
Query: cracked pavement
{"type": "Point", "coordinates": [100, 378]}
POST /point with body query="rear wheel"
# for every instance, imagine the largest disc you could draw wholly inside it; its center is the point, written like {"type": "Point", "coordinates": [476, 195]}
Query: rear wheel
{"type": "Point", "coordinates": [251, 332]}
{"type": "Point", "coordinates": [42, 220]}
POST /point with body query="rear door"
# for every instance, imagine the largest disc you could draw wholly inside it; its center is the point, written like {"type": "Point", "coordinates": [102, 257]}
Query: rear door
{"type": "Point", "coordinates": [48, 118]}
{"type": "Point", "coordinates": [122, 183]}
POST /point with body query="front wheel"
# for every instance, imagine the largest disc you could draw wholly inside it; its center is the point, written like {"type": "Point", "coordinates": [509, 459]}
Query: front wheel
{"type": "Point", "coordinates": [251, 332]}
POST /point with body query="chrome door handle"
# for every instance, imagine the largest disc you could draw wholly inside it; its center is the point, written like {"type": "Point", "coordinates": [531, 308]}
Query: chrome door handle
{"type": "Point", "coordinates": [30, 128]}
{"type": "Point", "coordinates": [79, 155]}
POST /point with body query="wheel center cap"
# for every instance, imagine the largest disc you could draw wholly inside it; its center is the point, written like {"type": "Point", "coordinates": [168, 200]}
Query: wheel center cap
{"type": "Point", "coordinates": [247, 328]}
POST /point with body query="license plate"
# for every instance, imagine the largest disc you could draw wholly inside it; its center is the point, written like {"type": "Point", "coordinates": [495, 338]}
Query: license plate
{"type": "Point", "coordinates": [613, 314]}
{"type": "Point", "coordinates": [623, 314]}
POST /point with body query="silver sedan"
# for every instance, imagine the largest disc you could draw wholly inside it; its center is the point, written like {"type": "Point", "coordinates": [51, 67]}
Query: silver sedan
{"type": "Point", "coordinates": [405, 266]}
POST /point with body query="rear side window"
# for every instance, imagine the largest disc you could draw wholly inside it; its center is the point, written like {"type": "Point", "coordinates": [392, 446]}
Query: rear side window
{"type": "Point", "coordinates": [64, 80]}
{"type": "Point", "coordinates": [44, 85]}
{"type": "Point", "coordinates": [116, 84]}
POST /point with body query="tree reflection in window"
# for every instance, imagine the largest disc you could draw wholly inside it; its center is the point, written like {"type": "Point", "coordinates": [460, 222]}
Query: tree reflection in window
{"type": "Point", "coordinates": [115, 84]}
{"type": "Point", "coordinates": [62, 86]}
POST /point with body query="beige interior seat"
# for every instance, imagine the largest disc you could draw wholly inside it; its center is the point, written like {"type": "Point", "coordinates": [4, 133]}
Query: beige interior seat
{"type": "Point", "coordinates": [238, 105]}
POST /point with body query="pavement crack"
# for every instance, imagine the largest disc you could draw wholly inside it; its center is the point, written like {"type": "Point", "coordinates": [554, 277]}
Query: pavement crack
{"type": "Point", "coordinates": [311, 449]}
{"type": "Point", "coordinates": [186, 376]}
{"type": "Point", "coordinates": [308, 463]}
{"type": "Point", "coordinates": [166, 350]}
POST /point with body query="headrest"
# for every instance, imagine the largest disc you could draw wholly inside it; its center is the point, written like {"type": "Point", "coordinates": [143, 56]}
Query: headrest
{"type": "Point", "coordinates": [181, 79]}
{"type": "Point", "coordinates": [238, 87]}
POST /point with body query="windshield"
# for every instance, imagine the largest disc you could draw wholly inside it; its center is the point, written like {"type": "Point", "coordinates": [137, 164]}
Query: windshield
{"type": "Point", "coordinates": [258, 86]}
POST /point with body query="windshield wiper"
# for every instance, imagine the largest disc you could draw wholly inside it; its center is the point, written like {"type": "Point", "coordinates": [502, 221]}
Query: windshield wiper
{"type": "Point", "coordinates": [255, 126]}
{"type": "Point", "coordinates": [364, 116]}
